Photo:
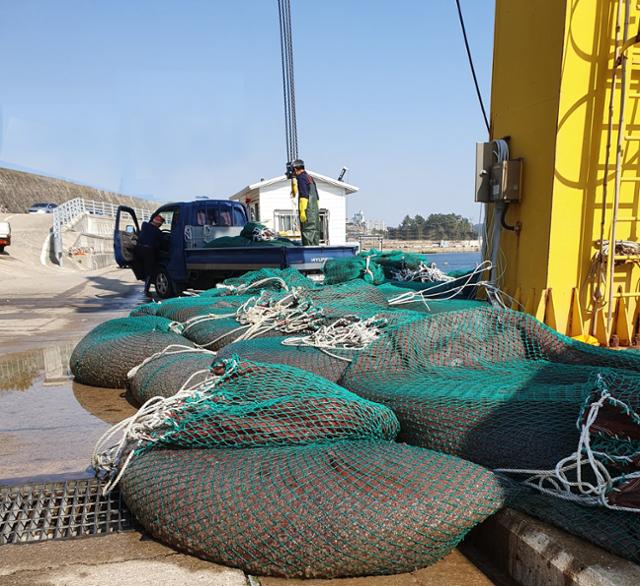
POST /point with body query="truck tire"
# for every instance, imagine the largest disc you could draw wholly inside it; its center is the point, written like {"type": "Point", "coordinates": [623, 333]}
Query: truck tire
{"type": "Point", "coordinates": [163, 284]}
{"type": "Point", "coordinates": [1, 249]}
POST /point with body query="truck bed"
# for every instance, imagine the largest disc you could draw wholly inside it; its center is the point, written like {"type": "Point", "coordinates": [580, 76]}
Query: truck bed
{"type": "Point", "coordinates": [304, 258]}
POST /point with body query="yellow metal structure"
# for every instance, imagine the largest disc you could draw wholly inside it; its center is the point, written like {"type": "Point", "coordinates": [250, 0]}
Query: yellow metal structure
{"type": "Point", "coordinates": [566, 90]}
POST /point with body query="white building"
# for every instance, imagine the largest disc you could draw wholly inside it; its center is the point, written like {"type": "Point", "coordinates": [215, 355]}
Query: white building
{"type": "Point", "coordinates": [269, 202]}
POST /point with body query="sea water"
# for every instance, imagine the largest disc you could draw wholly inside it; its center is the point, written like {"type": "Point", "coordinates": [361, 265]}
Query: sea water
{"type": "Point", "coordinates": [455, 261]}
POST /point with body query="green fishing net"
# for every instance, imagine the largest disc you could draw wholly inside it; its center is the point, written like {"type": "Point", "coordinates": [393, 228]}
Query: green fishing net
{"type": "Point", "coordinates": [145, 309]}
{"type": "Point", "coordinates": [106, 354]}
{"type": "Point", "coordinates": [182, 309]}
{"type": "Point", "coordinates": [615, 531]}
{"type": "Point", "coordinates": [315, 511]}
{"type": "Point", "coordinates": [270, 279]}
{"type": "Point", "coordinates": [396, 260]}
{"type": "Point", "coordinates": [166, 374]}
{"type": "Point", "coordinates": [493, 386]}
{"type": "Point", "coordinates": [272, 404]}
{"type": "Point", "coordinates": [341, 270]}
{"type": "Point", "coordinates": [330, 364]}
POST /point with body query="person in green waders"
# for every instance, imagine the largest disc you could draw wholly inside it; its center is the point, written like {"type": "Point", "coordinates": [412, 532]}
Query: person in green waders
{"type": "Point", "coordinates": [307, 205]}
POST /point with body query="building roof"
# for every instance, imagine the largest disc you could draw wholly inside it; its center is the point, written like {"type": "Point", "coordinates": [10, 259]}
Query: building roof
{"type": "Point", "coordinates": [321, 178]}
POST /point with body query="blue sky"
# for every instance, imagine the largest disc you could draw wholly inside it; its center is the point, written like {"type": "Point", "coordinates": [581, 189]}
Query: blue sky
{"type": "Point", "coordinates": [182, 98]}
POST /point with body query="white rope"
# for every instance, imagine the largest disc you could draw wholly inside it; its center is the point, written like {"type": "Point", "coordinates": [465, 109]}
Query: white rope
{"type": "Point", "coordinates": [347, 333]}
{"type": "Point", "coordinates": [367, 267]}
{"type": "Point", "coordinates": [581, 490]}
{"type": "Point", "coordinates": [260, 315]}
{"type": "Point", "coordinates": [424, 273]}
{"type": "Point", "coordinates": [239, 289]}
{"type": "Point", "coordinates": [149, 425]}
{"type": "Point", "coordinates": [198, 319]}
{"type": "Point", "coordinates": [170, 350]}
{"type": "Point", "coordinates": [290, 314]}
{"type": "Point", "coordinates": [417, 296]}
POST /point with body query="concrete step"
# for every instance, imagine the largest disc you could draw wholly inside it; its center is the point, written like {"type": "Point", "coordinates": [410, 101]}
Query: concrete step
{"type": "Point", "coordinates": [533, 553]}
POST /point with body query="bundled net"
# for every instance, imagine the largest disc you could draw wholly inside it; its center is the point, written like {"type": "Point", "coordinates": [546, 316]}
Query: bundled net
{"type": "Point", "coordinates": [394, 262]}
{"type": "Point", "coordinates": [145, 309]}
{"type": "Point", "coordinates": [327, 351]}
{"type": "Point", "coordinates": [168, 372]}
{"type": "Point", "coordinates": [351, 298]}
{"type": "Point", "coordinates": [183, 309]}
{"type": "Point", "coordinates": [398, 298]}
{"type": "Point", "coordinates": [108, 352]}
{"type": "Point", "coordinates": [494, 386]}
{"type": "Point", "coordinates": [309, 466]}
{"type": "Point", "coordinates": [503, 390]}
{"type": "Point", "coordinates": [341, 270]}
{"type": "Point", "coordinates": [271, 279]}
{"type": "Point", "coordinates": [273, 350]}
{"type": "Point", "coordinates": [341, 509]}
{"type": "Point", "coordinates": [264, 315]}
{"type": "Point", "coordinates": [255, 404]}
{"type": "Point", "coordinates": [253, 234]}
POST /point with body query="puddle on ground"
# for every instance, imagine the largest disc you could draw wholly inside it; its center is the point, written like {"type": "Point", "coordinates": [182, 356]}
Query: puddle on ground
{"type": "Point", "coordinates": [48, 423]}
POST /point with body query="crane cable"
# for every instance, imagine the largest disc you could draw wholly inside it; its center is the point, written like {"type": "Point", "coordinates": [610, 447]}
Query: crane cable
{"type": "Point", "coordinates": [288, 85]}
{"type": "Point", "coordinates": [473, 69]}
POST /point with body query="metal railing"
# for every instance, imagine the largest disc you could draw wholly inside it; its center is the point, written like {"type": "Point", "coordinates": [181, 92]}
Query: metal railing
{"type": "Point", "coordinates": [65, 214]}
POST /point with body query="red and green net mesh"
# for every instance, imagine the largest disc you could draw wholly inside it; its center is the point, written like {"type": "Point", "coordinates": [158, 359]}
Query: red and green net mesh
{"type": "Point", "coordinates": [350, 508]}
{"type": "Point", "coordinates": [280, 472]}
{"type": "Point", "coordinates": [108, 352]}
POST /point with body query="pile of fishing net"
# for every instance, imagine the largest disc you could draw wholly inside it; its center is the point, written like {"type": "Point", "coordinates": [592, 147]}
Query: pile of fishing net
{"type": "Point", "coordinates": [362, 266]}
{"type": "Point", "coordinates": [253, 234]}
{"type": "Point", "coordinates": [505, 391]}
{"type": "Point", "coordinates": [482, 384]}
{"type": "Point", "coordinates": [315, 464]}
{"type": "Point", "coordinates": [280, 472]}
{"type": "Point", "coordinates": [270, 279]}
{"type": "Point", "coordinates": [108, 352]}
{"type": "Point", "coordinates": [405, 271]}
{"type": "Point", "coordinates": [167, 372]}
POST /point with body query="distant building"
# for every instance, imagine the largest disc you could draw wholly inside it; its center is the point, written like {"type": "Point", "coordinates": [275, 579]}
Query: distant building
{"type": "Point", "coordinates": [269, 202]}
{"type": "Point", "coordinates": [359, 223]}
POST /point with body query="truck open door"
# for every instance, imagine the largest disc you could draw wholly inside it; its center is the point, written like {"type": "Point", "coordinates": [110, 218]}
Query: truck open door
{"type": "Point", "coordinates": [125, 238]}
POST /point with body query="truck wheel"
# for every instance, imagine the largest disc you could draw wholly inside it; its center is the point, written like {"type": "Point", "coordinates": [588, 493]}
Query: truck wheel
{"type": "Point", "coordinates": [1, 249]}
{"type": "Point", "coordinates": [164, 286]}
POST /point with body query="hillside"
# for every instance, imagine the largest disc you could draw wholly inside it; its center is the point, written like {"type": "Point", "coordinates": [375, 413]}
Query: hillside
{"type": "Point", "coordinates": [19, 190]}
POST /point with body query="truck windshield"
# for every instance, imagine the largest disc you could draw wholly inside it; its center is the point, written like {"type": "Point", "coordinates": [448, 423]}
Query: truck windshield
{"type": "Point", "coordinates": [219, 214]}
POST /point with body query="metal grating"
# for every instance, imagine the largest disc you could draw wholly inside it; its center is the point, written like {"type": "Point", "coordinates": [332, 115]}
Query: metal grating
{"type": "Point", "coordinates": [60, 510]}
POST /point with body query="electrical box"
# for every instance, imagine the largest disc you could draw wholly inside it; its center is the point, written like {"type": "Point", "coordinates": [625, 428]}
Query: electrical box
{"type": "Point", "coordinates": [496, 181]}
{"type": "Point", "coordinates": [505, 181]}
{"type": "Point", "coordinates": [484, 163]}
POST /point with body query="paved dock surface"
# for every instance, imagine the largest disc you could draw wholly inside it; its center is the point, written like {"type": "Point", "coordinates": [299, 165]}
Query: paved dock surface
{"type": "Point", "coordinates": [130, 559]}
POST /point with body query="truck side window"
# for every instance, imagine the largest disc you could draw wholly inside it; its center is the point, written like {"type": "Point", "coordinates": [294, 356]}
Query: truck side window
{"type": "Point", "coordinates": [238, 217]}
{"type": "Point", "coordinates": [175, 220]}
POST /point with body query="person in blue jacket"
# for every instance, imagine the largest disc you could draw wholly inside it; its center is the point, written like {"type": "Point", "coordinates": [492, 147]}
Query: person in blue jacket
{"type": "Point", "coordinates": [308, 210]}
{"type": "Point", "coordinates": [147, 247]}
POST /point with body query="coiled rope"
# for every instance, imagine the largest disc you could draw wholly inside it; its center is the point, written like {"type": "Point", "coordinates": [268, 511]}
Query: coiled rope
{"type": "Point", "coordinates": [151, 424]}
{"type": "Point", "coordinates": [347, 333]}
{"type": "Point", "coordinates": [260, 315]}
{"type": "Point", "coordinates": [556, 481]}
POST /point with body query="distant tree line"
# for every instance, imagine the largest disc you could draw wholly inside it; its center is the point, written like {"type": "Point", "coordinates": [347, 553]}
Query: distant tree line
{"type": "Point", "coordinates": [434, 227]}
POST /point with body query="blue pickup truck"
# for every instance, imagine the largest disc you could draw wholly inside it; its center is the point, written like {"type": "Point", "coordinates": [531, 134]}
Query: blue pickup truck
{"type": "Point", "coordinates": [188, 256]}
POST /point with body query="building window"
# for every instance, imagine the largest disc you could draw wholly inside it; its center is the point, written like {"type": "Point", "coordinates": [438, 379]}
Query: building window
{"type": "Point", "coordinates": [286, 224]}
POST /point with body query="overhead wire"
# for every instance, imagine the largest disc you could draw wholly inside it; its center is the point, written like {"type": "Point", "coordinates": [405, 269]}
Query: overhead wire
{"type": "Point", "coordinates": [472, 66]}
{"type": "Point", "coordinates": [288, 82]}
